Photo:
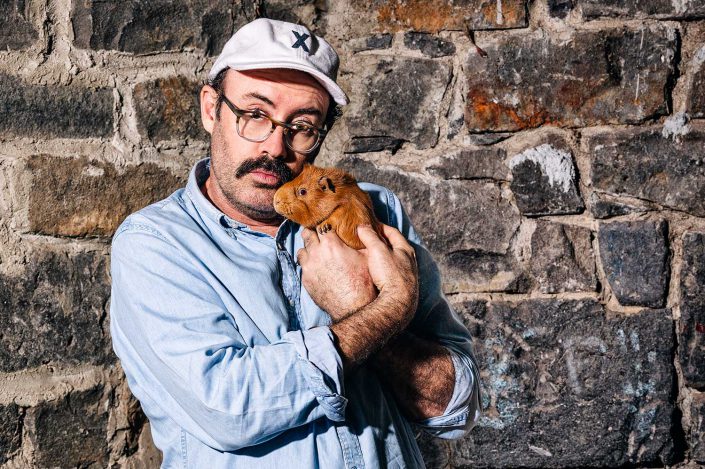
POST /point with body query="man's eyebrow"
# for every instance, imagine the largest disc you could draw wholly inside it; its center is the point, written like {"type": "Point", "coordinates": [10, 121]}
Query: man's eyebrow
{"type": "Point", "coordinates": [260, 97]}
{"type": "Point", "coordinates": [311, 111]}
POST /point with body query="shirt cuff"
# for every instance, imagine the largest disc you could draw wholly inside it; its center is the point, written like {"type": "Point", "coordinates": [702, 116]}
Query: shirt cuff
{"type": "Point", "coordinates": [323, 368]}
{"type": "Point", "coordinates": [462, 406]}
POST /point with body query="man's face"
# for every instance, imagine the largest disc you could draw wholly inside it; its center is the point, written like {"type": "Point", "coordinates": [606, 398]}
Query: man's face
{"type": "Point", "coordinates": [246, 173]}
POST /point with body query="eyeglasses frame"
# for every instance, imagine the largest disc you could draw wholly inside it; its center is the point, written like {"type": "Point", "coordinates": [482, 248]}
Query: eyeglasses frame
{"type": "Point", "coordinates": [287, 127]}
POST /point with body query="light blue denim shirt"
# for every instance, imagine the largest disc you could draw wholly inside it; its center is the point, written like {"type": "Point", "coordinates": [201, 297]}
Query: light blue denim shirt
{"type": "Point", "coordinates": [234, 364]}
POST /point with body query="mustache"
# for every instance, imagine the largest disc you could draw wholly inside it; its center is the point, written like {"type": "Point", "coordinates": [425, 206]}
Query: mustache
{"type": "Point", "coordinates": [269, 164]}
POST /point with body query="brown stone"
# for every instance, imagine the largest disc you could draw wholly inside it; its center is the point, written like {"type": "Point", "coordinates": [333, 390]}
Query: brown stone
{"type": "Point", "coordinates": [77, 197]}
{"type": "Point", "coordinates": [613, 76]}
{"type": "Point", "coordinates": [691, 330]}
{"type": "Point", "coordinates": [168, 109]}
{"type": "Point", "coordinates": [697, 427]}
{"type": "Point", "coordinates": [696, 93]}
{"type": "Point", "coordinates": [16, 30]}
{"type": "Point", "coordinates": [684, 9]}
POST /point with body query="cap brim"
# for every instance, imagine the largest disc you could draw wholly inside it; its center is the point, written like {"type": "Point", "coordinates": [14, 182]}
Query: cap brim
{"type": "Point", "coordinates": [332, 87]}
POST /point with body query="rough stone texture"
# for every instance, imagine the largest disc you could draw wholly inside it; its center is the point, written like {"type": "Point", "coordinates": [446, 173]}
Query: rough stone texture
{"type": "Point", "coordinates": [697, 430]}
{"type": "Point", "coordinates": [643, 163]}
{"type": "Point", "coordinates": [434, 16]}
{"type": "Point", "coordinates": [473, 251]}
{"type": "Point", "coordinates": [405, 95]}
{"type": "Point", "coordinates": [142, 27]}
{"type": "Point", "coordinates": [696, 93]}
{"type": "Point", "coordinates": [429, 45]}
{"type": "Point", "coordinates": [372, 144]}
{"type": "Point", "coordinates": [691, 345]}
{"type": "Point", "coordinates": [54, 111]}
{"type": "Point", "coordinates": [471, 163]}
{"type": "Point", "coordinates": [11, 421]}
{"type": "Point", "coordinates": [55, 312]}
{"type": "Point", "coordinates": [544, 180]}
{"type": "Point", "coordinates": [70, 432]}
{"type": "Point", "coordinates": [562, 259]}
{"type": "Point", "coordinates": [613, 76]}
{"type": "Point", "coordinates": [77, 197]}
{"type": "Point", "coordinates": [377, 41]}
{"type": "Point", "coordinates": [682, 9]}
{"type": "Point", "coordinates": [168, 109]}
{"type": "Point", "coordinates": [567, 385]}
{"type": "Point", "coordinates": [635, 258]}
{"type": "Point", "coordinates": [16, 30]}
{"type": "Point", "coordinates": [560, 8]}
{"type": "Point", "coordinates": [605, 206]}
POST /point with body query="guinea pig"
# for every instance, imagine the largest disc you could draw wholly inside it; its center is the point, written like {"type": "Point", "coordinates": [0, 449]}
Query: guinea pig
{"type": "Point", "coordinates": [327, 199]}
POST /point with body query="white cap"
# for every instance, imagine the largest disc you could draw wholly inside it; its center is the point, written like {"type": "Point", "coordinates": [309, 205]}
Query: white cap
{"type": "Point", "coordinates": [266, 43]}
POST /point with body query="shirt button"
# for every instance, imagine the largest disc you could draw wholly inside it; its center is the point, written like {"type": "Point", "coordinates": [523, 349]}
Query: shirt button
{"type": "Point", "coordinates": [280, 247]}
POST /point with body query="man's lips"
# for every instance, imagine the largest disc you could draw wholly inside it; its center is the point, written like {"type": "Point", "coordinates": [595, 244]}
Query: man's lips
{"type": "Point", "coordinates": [265, 176]}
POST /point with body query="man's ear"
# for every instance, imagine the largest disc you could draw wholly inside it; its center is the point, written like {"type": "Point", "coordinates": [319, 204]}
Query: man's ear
{"type": "Point", "coordinates": [208, 99]}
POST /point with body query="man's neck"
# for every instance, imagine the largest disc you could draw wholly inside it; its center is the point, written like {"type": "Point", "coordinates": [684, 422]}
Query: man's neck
{"type": "Point", "coordinates": [216, 197]}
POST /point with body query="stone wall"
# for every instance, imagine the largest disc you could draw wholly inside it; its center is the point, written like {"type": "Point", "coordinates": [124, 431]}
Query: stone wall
{"type": "Point", "coordinates": [553, 159]}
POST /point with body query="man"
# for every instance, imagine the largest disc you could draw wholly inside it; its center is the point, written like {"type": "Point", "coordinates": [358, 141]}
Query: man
{"type": "Point", "coordinates": [234, 363]}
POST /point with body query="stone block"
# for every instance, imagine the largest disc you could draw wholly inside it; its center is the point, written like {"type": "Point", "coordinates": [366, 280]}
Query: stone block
{"type": "Point", "coordinates": [562, 259]}
{"type": "Point", "coordinates": [376, 41]}
{"type": "Point", "coordinates": [613, 76]}
{"type": "Point", "coordinates": [168, 109]}
{"type": "Point", "coordinates": [372, 144]}
{"type": "Point", "coordinates": [428, 44]}
{"type": "Point", "coordinates": [567, 384]}
{"type": "Point", "coordinates": [685, 9]}
{"type": "Point", "coordinates": [434, 16]}
{"type": "Point", "coordinates": [11, 421]}
{"type": "Point", "coordinates": [467, 225]}
{"type": "Point", "coordinates": [695, 100]}
{"type": "Point", "coordinates": [604, 206]}
{"type": "Point", "coordinates": [471, 163]}
{"type": "Point", "coordinates": [635, 259]}
{"type": "Point", "coordinates": [696, 441]}
{"type": "Point", "coordinates": [53, 110]}
{"type": "Point", "coordinates": [55, 312]}
{"type": "Point", "coordinates": [559, 8]}
{"type": "Point", "coordinates": [70, 432]}
{"type": "Point", "coordinates": [16, 29]}
{"type": "Point", "coordinates": [544, 180]}
{"type": "Point", "coordinates": [143, 27]}
{"type": "Point", "coordinates": [648, 164]}
{"type": "Point", "coordinates": [398, 98]}
{"type": "Point", "coordinates": [78, 197]}
{"type": "Point", "coordinates": [691, 344]}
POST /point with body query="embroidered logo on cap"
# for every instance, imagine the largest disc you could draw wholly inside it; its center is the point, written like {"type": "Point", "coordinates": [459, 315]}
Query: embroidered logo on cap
{"type": "Point", "coordinates": [300, 38]}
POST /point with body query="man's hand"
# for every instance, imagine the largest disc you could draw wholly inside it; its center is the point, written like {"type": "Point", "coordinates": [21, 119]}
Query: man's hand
{"type": "Point", "coordinates": [335, 275]}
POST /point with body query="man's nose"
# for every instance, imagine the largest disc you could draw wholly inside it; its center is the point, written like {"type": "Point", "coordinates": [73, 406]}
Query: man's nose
{"type": "Point", "coordinates": [275, 145]}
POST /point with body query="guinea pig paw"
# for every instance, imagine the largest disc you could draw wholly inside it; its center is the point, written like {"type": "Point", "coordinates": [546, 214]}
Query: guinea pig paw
{"type": "Point", "coordinates": [323, 229]}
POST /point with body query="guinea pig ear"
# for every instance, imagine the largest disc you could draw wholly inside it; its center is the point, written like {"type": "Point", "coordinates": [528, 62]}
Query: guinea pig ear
{"type": "Point", "coordinates": [325, 184]}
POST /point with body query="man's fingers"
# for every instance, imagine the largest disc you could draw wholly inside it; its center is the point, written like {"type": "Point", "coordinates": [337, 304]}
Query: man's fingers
{"type": "Point", "coordinates": [396, 239]}
{"type": "Point", "coordinates": [370, 238]}
{"type": "Point", "coordinates": [309, 237]}
{"type": "Point", "coordinates": [302, 256]}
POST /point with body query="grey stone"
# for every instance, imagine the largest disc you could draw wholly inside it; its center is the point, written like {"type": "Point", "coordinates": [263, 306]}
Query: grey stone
{"type": "Point", "coordinates": [372, 144]}
{"type": "Point", "coordinates": [691, 344]}
{"type": "Point", "coordinates": [471, 163]}
{"type": "Point", "coordinates": [696, 94]}
{"type": "Point", "coordinates": [55, 312]}
{"type": "Point", "coordinates": [168, 109]}
{"type": "Point", "coordinates": [559, 8]}
{"type": "Point", "coordinates": [488, 139]}
{"type": "Point", "coordinates": [70, 432]}
{"type": "Point", "coordinates": [562, 259]}
{"type": "Point", "coordinates": [54, 110]}
{"type": "Point", "coordinates": [566, 384]}
{"type": "Point", "coordinates": [16, 30]}
{"type": "Point", "coordinates": [467, 225]}
{"type": "Point", "coordinates": [635, 259]}
{"type": "Point", "coordinates": [544, 180]}
{"type": "Point", "coordinates": [11, 422]}
{"type": "Point", "coordinates": [696, 440]}
{"type": "Point", "coordinates": [398, 98]}
{"type": "Point", "coordinates": [428, 44]}
{"type": "Point", "coordinates": [376, 41]}
{"type": "Point", "coordinates": [604, 206]}
{"type": "Point", "coordinates": [686, 9]}
{"type": "Point", "coordinates": [612, 76]}
{"type": "Point", "coordinates": [424, 15]}
{"type": "Point", "coordinates": [642, 163]}
{"type": "Point", "coordinates": [141, 27]}
{"type": "Point", "coordinates": [76, 197]}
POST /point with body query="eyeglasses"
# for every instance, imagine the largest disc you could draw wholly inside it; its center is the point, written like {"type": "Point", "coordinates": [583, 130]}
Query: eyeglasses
{"type": "Point", "coordinates": [256, 126]}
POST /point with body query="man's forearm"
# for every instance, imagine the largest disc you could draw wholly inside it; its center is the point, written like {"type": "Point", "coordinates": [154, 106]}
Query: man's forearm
{"type": "Point", "coordinates": [419, 373]}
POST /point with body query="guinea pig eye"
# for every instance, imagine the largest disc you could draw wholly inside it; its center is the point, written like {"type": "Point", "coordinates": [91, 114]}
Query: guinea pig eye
{"type": "Point", "coordinates": [302, 192]}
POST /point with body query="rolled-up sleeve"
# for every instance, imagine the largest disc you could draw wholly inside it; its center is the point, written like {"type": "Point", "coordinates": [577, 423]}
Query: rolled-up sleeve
{"type": "Point", "coordinates": [181, 349]}
{"type": "Point", "coordinates": [435, 320]}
